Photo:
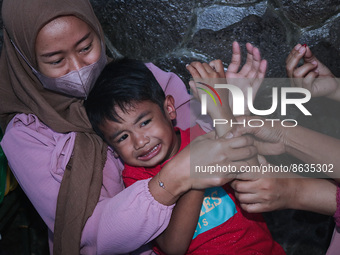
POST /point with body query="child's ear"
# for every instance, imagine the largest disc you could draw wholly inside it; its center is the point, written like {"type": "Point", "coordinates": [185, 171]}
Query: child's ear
{"type": "Point", "coordinates": [169, 105]}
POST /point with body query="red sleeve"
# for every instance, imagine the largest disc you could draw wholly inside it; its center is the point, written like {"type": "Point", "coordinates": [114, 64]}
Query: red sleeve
{"type": "Point", "coordinates": [196, 131]}
{"type": "Point", "coordinates": [132, 174]}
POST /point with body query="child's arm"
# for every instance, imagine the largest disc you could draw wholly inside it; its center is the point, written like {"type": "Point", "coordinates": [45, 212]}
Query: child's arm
{"type": "Point", "coordinates": [250, 75]}
{"type": "Point", "coordinates": [312, 75]}
{"type": "Point", "coordinates": [177, 237]}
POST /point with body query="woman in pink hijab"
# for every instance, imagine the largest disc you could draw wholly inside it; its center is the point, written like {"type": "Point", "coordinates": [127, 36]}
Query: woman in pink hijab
{"type": "Point", "coordinates": [53, 52]}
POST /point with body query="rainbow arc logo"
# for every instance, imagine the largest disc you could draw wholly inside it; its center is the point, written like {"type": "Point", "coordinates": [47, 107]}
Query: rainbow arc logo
{"type": "Point", "coordinates": [209, 93]}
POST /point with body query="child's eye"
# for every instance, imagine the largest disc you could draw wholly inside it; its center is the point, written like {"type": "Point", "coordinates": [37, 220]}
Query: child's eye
{"type": "Point", "coordinates": [122, 138]}
{"type": "Point", "coordinates": [144, 123]}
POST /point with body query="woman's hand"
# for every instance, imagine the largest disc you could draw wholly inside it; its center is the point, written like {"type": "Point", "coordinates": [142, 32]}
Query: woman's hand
{"type": "Point", "coordinates": [272, 192]}
{"type": "Point", "coordinates": [269, 139]}
{"type": "Point", "coordinates": [264, 193]}
{"type": "Point", "coordinates": [312, 75]}
{"type": "Point", "coordinates": [179, 175]}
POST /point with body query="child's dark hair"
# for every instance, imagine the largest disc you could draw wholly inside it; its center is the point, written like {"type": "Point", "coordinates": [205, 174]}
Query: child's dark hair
{"type": "Point", "coordinates": [122, 83]}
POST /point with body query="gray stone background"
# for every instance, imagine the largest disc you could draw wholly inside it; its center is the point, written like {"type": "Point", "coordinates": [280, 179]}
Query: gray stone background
{"type": "Point", "coordinates": [172, 33]}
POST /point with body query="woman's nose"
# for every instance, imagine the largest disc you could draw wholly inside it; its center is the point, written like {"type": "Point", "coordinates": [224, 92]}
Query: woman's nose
{"type": "Point", "coordinates": [76, 63]}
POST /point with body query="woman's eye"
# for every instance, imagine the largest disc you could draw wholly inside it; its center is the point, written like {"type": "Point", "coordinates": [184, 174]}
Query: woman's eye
{"type": "Point", "coordinates": [56, 62]}
{"type": "Point", "coordinates": [122, 138]}
{"type": "Point", "coordinates": [144, 123]}
{"type": "Point", "coordinates": [87, 48]}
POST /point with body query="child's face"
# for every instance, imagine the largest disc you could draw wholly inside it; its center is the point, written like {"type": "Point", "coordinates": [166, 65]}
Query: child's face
{"type": "Point", "coordinates": [145, 137]}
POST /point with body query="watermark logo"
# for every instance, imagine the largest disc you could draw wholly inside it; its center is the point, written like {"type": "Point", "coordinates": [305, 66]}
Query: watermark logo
{"type": "Point", "coordinates": [204, 96]}
{"type": "Point", "coordinates": [239, 99]}
{"type": "Point", "coordinates": [283, 98]}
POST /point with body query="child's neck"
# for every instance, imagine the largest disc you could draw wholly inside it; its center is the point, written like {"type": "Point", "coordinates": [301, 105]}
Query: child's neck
{"type": "Point", "coordinates": [178, 142]}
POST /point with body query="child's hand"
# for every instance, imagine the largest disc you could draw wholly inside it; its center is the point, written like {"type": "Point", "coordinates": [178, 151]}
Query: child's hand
{"type": "Point", "coordinates": [217, 104]}
{"type": "Point", "coordinates": [312, 75]}
{"type": "Point", "coordinates": [205, 74]}
{"type": "Point", "coordinates": [251, 74]}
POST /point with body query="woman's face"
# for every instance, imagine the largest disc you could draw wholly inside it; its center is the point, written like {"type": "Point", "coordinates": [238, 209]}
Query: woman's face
{"type": "Point", "coordinates": [65, 44]}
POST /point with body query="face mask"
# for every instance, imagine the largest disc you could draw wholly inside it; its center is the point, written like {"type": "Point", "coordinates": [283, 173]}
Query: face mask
{"type": "Point", "coordinates": [77, 83]}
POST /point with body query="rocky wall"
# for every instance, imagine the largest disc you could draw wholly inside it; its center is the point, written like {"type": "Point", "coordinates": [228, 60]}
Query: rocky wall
{"type": "Point", "coordinates": [172, 33]}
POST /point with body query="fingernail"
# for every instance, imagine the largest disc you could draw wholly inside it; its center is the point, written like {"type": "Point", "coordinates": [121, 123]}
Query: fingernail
{"type": "Point", "coordinates": [297, 47]}
{"type": "Point", "coordinates": [229, 135]}
{"type": "Point", "coordinates": [302, 49]}
{"type": "Point", "coordinates": [314, 63]}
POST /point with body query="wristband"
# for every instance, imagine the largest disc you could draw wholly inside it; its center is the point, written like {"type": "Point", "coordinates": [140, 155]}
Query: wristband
{"type": "Point", "coordinates": [162, 185]}
{"type": "Point", "coordinates": [337, 212]}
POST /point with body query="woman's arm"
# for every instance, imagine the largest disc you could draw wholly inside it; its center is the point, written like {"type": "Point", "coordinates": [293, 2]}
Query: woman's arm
{"type": "Point", "coordinates": [38, 157]}
{"type": "Point", "coordinates": [307, 145]}
{"type": "Point", "coordinates": [270, 193]}
{"type": "Point", "coordinates": [313, 148]}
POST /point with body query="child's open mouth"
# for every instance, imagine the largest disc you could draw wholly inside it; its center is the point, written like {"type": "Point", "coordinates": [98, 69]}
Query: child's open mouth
{"type": "Point", "coordinates": [151, 153]}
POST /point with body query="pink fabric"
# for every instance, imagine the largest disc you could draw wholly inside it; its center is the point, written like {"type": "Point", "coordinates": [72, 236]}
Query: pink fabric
{"type": "Point", "coordinates": [337, 212]}
{"type": "Point", "coordinates": [334, 247]}
{"type": "Point", "coordinates": [38, 157]}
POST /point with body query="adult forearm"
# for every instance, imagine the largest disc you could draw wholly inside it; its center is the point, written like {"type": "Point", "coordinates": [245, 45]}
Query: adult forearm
{"type": "Point", "coordinates": [315, 195]}
{"type": "Point", "coordinates": [172, 181]}
{"type": "Point", "coordinates": [336, 95]}
{"type": "Point", "coordinates": [313, 148]}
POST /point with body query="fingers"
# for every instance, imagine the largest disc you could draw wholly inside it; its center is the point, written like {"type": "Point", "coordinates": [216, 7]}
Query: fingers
{"type": "Point", "coordinates": [243, 129]}
{"type": "Point", "coordinates": [193, 71]}
{"type": "Point", "coordinates": [235, 59]}
{"type": "Point", "coordinates": [304, 70]}
{"type": "Point", "coordinates": [262, 160]}
{"type": "Point", "coordinates": [217, 65]}
{"type": "Point", "coordinates": [299, 52]}
{"type": "Point", "coordinates": [238, 148]}
{"type": "Point", "coordinates": [244, 185]}
{"type": "Point", "coordinates": [243, 153]}
{"type": "Point", "coordinates": [304, 75]}
{"type": "Point", "coordinates": [235, 149]}
{"type": "Point", "coordinates": [309, 56]}
{"type": "Point", "coordinates": [239, 142]}
{"type": "Point", "coordinates": [214, 69]}
{"type": "Point", "coordinates": [193, 88]}
{"type": "Point", "coordinates": [259, 195]}
{"type": "Point", "coordinates": [254, 68]}
{"type": "Point", "coordinates": [250, 64]}
{"type": "Point", "coordinates": [263, 68]}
